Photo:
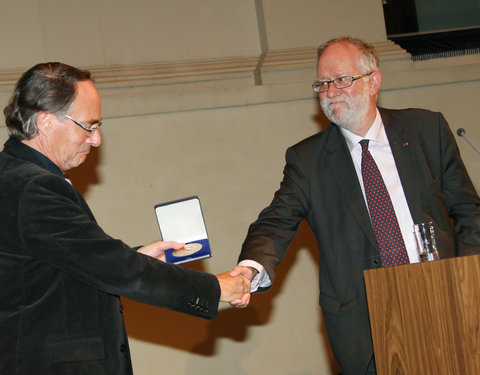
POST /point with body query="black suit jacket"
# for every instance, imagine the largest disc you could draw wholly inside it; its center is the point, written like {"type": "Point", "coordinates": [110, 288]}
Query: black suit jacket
{"type": "Point", "coordinates": [320, 185]}
{"type": "Point", "coordinates": [61, 275]}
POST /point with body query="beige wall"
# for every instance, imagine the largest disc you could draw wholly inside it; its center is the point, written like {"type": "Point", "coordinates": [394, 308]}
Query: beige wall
{"type": "Point", "coordinates": [300, 23]}
{"type": "Point", "coordinates": [193, 107]}
{"type": "Point", "coordinates": [100, 32]}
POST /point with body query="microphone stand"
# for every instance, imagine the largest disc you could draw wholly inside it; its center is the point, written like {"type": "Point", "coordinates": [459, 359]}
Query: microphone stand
{"type": "Point", "coordinates": [461, 133]}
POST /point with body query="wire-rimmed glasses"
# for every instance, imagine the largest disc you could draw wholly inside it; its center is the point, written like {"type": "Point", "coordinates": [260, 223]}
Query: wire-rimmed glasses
{"type": "Point", "coordinates": [339, 83]}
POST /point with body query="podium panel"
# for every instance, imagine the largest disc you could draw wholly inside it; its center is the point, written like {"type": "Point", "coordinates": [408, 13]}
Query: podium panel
{"type": "Point", "coordinates": [425, 317]}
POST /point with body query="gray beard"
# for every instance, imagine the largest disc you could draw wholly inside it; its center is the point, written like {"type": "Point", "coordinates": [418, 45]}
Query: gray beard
{"type": "Point", "coordinates": [350, 118]}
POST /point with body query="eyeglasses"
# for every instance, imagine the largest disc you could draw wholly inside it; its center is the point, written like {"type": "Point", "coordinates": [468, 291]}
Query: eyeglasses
{"type": "Point", "coordinates": [90, 130]}
{"type": "Point", "coordinates": [339, 83]}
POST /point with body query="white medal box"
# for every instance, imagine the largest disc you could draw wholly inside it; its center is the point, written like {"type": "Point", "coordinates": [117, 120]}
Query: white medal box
{"type": "Point", "coordinates": [182, 221]}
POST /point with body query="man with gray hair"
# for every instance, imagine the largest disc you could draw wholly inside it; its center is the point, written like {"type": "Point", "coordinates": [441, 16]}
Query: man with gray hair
{"type": "Point", "coordinates": [60, 273]}
{"type": "Point", "coordinates": [361, 184]}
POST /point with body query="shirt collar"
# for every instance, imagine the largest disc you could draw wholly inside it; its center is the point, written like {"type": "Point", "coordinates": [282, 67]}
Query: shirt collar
{"type": "Point", "coordinates": [376, 133]}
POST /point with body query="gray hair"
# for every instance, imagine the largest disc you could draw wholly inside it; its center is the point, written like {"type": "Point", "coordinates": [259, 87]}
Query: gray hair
{"type": "Point", "coordinates": [368, 56]}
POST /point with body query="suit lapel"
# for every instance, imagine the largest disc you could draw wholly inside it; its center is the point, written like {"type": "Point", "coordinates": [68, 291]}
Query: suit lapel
{"type": "Point", "coordinates": [341, 165]}
{"type": "Point", "coordinates": [402, 153]}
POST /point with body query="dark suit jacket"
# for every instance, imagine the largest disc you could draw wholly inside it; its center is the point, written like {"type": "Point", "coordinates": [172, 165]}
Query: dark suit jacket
{"type": "Point", "coordinates": [321, 186]}
{"type": "Point", "coordinates": [61, 275]}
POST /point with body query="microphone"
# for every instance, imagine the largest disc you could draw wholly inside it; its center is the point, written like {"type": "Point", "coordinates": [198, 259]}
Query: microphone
{"type": "Point", "coordinates": [461, 133]}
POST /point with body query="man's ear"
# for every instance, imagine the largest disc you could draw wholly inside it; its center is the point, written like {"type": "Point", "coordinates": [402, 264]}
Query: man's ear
{"type": "Point", "coordinates": [44, 121]}
{"type": "Point", "coordinates": [375, 81]}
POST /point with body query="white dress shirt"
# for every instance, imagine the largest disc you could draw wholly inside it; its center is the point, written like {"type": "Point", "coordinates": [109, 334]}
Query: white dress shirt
{"type": "Point", "coordinates": [381, 152]}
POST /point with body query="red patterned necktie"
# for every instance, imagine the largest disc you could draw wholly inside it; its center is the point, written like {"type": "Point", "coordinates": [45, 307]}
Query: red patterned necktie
{"type": "Point", "coordinates": [384, 221]}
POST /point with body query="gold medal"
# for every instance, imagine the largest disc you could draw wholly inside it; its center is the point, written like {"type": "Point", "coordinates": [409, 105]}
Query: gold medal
{"type": "Point", "coordinates": [188, 249]}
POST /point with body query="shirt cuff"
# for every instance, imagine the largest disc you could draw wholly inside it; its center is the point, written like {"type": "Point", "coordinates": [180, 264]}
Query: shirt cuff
{"type": "Point", "coordinates": [261, 279]}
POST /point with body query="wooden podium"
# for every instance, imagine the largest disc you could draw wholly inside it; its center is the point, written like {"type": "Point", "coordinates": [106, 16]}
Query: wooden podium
{"type": "Point", "coordinates": [425, 317]}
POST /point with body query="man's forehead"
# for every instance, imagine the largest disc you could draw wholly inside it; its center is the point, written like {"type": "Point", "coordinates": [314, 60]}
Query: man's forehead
{"type": "Point", "coordinates": [85, 87]}
{"type": "Point", "coordinates": [338, 59]}
{"type": "Point", "coordinates": [87, 99]}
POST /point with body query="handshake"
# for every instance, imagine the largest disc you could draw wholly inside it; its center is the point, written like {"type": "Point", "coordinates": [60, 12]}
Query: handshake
{"type": "Point", "coordinates": [234, 284]}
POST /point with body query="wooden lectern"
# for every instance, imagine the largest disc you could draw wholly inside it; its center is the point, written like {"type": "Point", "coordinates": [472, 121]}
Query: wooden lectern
{"type": "Point", "coordinates": [425, 317]}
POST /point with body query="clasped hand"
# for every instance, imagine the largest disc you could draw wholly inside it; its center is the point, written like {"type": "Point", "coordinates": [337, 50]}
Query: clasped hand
{"type": "Point", "coordinates": [247, 274]}
{"type": "Point", "coordinates": [235, 288]}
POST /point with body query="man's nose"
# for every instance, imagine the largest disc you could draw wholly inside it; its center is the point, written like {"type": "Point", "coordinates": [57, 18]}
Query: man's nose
{"type": "Point", "coordinates": [332, 91]}
{"type": "Point", "coordinates": [95, 138]}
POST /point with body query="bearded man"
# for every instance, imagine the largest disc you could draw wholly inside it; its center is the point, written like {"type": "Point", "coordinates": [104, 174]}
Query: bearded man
{"type": "Point", "coordinates": [327, 181]}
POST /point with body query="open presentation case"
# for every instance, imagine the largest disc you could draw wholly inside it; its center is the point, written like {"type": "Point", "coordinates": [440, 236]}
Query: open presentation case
{"type": "Point", "coordinates": [182, 221]}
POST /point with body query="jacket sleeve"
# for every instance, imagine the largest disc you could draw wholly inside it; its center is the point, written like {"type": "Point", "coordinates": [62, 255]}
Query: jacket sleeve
{"type": "Point", "coordinates": [460, 196]}
{"type": "Point", "coordinates": [270, 235]}
{"type": "Point", "coordinates": [58, 228]}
